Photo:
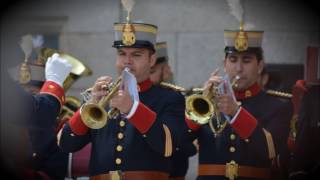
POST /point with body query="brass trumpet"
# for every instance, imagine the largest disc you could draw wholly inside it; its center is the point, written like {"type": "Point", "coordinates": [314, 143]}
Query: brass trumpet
{"type": "Point", "coordinates": [94, 115]}
{"type": "Point", "coordinates": [200, 108]}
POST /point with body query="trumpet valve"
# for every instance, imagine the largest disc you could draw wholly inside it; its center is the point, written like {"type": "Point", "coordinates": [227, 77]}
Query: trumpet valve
{"type": "Point", "coordinates": [104, 87]}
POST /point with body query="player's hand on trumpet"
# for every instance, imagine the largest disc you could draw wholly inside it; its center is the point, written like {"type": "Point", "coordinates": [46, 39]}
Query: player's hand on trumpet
{"type": "Point", "coordinates": [99, 88]}
{"type": "Point", "coordinates": [122, 100]}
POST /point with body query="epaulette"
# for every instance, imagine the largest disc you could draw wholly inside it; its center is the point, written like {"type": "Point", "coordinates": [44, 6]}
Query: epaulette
{"type": "Point", "coordinates": [182, 90]}
{"type": "Point", "coordinates": [278, 93]}
{"type": "Point", "coordinates": [172, 86]}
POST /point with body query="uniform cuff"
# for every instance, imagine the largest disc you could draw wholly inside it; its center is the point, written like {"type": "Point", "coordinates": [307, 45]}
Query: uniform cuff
{"type": "Point", "coordinates": [54, 90]}
{"type": "Point", "coordinates": [244, 124]}
{"type": "Point", "coordinates": [61, 123]}
{"type": "Point", "coordinates": [76, 124]}
{"type": "Point", "coordinates": [235, 116]}
{"type": "Point", "coordinates": [133, 109]}
{"type": "Point", "coordinates": [143, 118]}
{"type": "Point", "coordinates": [192, 125]}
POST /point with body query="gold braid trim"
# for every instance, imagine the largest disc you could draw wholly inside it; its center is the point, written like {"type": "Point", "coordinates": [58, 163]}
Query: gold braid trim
{"type": "Point", "coordinates": [138, 28]}
{"type": "Point", "coordinates": [179, 88]}
{"type": "Point", "coordinates": [293, 126]}
{"type": "Point", "coordinates": [271, 149]}
{"type": "Point", "coordinates": [168, 145]}
{"type": "Point", "coordinates": [172, 86]}
{"type": "Point", "coordinates": [279, 93]}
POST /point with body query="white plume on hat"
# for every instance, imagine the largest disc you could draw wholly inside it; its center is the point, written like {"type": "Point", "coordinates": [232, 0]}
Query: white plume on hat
{"type": "Point", "coordinates": [237, 11]}
{"type": "Point", "coordinates": [128, 4]}
{"type": "Point", "coordinates": [26, 45]}
{"type": "Point", "coordinates": [37, 41]}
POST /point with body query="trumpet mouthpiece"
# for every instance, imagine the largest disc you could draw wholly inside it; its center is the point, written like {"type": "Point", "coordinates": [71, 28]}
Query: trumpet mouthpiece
{"type": "Point", "coordinates": [127, 69]}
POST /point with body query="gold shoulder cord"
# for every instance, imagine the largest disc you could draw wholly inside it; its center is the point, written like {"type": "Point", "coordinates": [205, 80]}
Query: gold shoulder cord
{"type": "Point", "coordinates": [172, 86]}
{"type": "Point", "coordinates": [279, 93]}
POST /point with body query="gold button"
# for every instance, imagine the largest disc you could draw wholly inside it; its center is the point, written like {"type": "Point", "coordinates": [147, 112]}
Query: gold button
{"type": "Point", "coordinates": [34, 154]}
{"type": "Point", "coordinates": [248, 93]}
{"type": "Point", "coordinates": [247, 140]}
{"type": "Point", "coordinates": [51, 87]}
{"type": "Point", "coordinates": [120, 135]}
{"type": "Point", "coordinates": [232, 149]}
{"type": "Point", "coordinates": [232, 136]}
{"type": "Point", "coordinates": [122, 123]}
{"type": "Point", "coordinates": [71, 134]}
{"type": "Point", "coordinates": [144, 136]}
{"type": "Point", "coordinates": [119, 148]}
{"type": "Point", "coordinates": [118, 161]}
{"type": "Point", "coordinates": [189, 131]}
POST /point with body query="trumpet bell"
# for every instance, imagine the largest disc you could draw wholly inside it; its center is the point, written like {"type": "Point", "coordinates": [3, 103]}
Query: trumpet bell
{"type": "Point", "coordinates": [199, 108]}
{"type": "Point", "coordinates": [93, 116]}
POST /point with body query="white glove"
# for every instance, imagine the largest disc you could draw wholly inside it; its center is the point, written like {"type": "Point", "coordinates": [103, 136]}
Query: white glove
{"type": "Point", "coordinates": [57, 69]}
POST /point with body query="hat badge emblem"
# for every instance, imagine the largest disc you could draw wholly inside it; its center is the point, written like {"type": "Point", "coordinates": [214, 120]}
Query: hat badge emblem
{"type": "Point", "coordinates": [128, 35]}
{"type": "Point", "coordinates": [241, 40]}
{"type": "Point", "coordinates": [25, 74]}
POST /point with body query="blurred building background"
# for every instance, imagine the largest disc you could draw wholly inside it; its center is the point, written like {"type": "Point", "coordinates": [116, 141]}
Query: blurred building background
{"type": "Point", "coordinates": [192, 28]}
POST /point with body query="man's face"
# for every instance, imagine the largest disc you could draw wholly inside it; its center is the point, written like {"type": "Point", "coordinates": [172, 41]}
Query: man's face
{"type": "Point", "coordinates": [156, 75]}
{"type": "Point", "coordinates": [138, 60]}
{"type": "Point", "coordinates": [246, 66]}
{"type": "Point", "coordinates": [167, 73]}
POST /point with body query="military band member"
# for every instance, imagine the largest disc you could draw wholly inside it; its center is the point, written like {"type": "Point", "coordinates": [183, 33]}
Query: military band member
{"type": "Point", "coordinates": [139, 143]}
{"type": "Point", "coordinates": [161, 72]}
{"type": "Point", "coordinates": [38, 111]}
{"type": "Point", "coordinates": [263, 78]}
{"type": "Point", "coordinates": [254, 125]}
{"type": "Point", "coordinates": [305, 163]}
{"type": "Point", "coordinates": [46, 156]}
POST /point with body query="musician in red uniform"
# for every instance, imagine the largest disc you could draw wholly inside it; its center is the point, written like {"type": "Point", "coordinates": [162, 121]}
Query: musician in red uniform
{"type": "Point", "coordinates": [36, 112]}
{"type": "Point", "coordinates": [254, 125]}
{"type": "Point", "coordinates": [137, 144]}
{"type": "Point", "coordinates": [305, 163]}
